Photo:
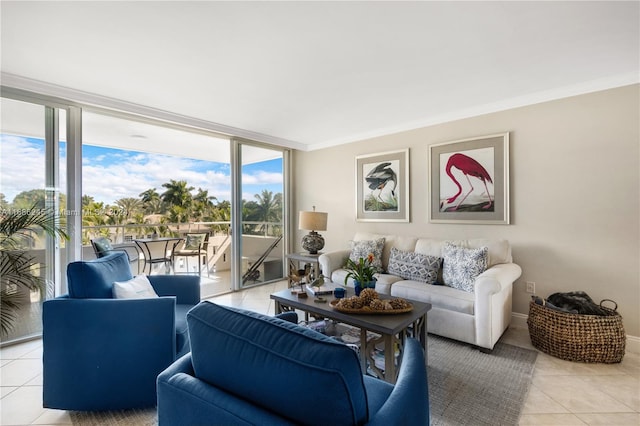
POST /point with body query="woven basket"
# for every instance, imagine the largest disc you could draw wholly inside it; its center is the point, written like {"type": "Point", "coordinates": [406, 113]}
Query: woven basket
{"type": "Point", "coordinates": [576, 337]}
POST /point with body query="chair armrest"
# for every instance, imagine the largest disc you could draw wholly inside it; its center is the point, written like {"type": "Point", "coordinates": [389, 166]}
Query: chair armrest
{"type": "Point", "coordinates": [186, 288]}
{"type": "Point", "coordinates": [186, 400]}
{"type": "Point", "coordinates": [408, 403]}
{"type": "Point", "coordinates": [331, 261]}
{"type": "Point", "coordinates": [101, 354]}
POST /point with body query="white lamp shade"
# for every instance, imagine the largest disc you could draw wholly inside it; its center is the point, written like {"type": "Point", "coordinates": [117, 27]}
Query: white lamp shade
{"type": "Point", "coordinates": [312, 221]}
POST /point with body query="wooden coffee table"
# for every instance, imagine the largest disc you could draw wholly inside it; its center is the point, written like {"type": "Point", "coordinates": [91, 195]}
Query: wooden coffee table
{"type": "Point", "coordinates": [392, 328]}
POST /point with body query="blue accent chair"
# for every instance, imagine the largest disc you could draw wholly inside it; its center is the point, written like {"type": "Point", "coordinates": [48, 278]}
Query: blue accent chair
{"type": "Point", "coordinates": [240, 361]}
{"type": "Point", "coordinates": [102, 353]}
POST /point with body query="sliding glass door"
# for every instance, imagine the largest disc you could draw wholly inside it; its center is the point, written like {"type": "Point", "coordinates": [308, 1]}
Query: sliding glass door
{"type": "Point", "coordinates": [32, 181]}
{"type": "Point", "coordinates": [261, 211]}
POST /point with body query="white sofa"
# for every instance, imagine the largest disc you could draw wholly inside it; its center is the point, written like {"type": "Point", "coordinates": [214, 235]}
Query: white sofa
{"type": "Point", "coordinates": [479, 317]}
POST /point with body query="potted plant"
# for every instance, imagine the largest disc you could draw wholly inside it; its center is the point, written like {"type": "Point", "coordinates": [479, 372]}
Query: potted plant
{"type": "Point", "coordinates": [362, 272]}
{"type": "Point", "coordinates": [16, 277]}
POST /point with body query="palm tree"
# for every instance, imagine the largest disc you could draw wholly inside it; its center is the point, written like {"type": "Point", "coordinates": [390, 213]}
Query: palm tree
{"type": "Point", "coordinates": [177, 193]}
{"type": "Point", "coordinates": [269, 207]}
{"type": "Point", "coordinates": [151, 201]}
{"type": "Point", "coordinates": [16, 232]}
{"type": "Point", "coordinates": [130, 206]}
{"type": "Point", "coordinates": [202, 204]}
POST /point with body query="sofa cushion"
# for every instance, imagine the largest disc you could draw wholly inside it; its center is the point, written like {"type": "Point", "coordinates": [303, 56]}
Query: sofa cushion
{"type": "Point", "coordinates": [361, 249]}
{"type": "Point", "coordinates": [137, 287]}
{"type": "Point", "coordinates": [252, 355]}
{"type": "Point", "coordinates": [93, 279]}
{"type": "Point", "coordinates": [383, 281]}
{"type": "Point", "coordinates": [439, 296]}
{"type": "Point", "coordinates": [414, 266]}
{"type": "Point", "coordinates": [462, 266]}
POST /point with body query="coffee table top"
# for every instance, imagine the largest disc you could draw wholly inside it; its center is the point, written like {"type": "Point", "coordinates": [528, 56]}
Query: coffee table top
{"type": "Point", "coordinates": [385, 324]}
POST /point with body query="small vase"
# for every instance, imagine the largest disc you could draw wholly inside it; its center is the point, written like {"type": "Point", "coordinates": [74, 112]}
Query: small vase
{"type": "Point", "coordinates": [361, 286]}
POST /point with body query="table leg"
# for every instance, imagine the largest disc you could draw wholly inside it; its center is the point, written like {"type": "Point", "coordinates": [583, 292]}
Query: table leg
{"type": "Point", "coordinates": [389, 358]}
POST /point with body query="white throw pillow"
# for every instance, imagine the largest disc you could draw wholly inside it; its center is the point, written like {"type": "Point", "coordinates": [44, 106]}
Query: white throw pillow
{"type": "Point", "coordinates": [136, 288]}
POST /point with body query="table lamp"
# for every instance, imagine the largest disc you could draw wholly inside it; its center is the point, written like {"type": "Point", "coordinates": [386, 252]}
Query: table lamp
{"type": "Point", "coordinates": [312, 221]}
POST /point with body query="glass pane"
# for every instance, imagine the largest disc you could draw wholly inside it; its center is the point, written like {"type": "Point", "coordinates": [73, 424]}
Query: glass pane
{"type": "Point", "coordinates": [262, 215]}
{"type": "Point", "coordinates": [144, 181]}
{"type": "Point", "coordinates": [24, 191]}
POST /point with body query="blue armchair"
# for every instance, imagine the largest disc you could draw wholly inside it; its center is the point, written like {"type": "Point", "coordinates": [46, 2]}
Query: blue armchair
{"type": "Point", "coordinates": [242, 383]}
{"type": "Point", "coordinates": [102, 353]}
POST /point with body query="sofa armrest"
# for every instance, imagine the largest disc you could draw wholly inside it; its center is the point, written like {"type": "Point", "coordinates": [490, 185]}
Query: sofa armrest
{"type": "Point", "coordinates": [186, 288]}
{"type": "Point", "coordinates": [496, 279]}
{"type": "Point", "coordinates": [408, 403]}
{"type": "Point", "coordinates": [104, 354]}
{"type": "Point", "coordinates": [493, 302]}
{"type": "Point", "coordinates": [186, 400]}
{"type": "Point", "coordinates": [331, 261]}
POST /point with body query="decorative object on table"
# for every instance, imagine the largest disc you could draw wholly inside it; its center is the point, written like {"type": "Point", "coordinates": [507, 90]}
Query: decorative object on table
{"type": "Point", "coordinates": [312, 221]}
{"type": "Point", "coordinates": [339, 292]}
{"type": "Point", "coordinates": [382, 187]}
{"type": "Point", "coordinates": [362, 271]}
{"type": "Point", "coordinates": [577, 337]}
{"type": "Point", "coordinates": [470, 180]}
{"type": "Point", "coordinates": [320, 288]}
{"type": "Point", "coordinates": [297, 276]}
{"type": "Point", "coordinates": [369, 302]}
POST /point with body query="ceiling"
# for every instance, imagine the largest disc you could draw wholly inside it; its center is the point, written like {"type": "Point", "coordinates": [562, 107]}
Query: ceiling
{"type": "Point", "coordinates": [309, 75]}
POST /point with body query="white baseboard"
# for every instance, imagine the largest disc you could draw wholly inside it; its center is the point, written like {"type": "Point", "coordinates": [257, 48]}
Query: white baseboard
{"type": "Point", "coordinates": [520, 321]}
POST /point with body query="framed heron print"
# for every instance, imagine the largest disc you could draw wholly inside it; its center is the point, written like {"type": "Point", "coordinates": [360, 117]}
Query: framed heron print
{"type": "Point", "coordinates": [469, 181]}
{"type": "Point", "coordinates": [382, 187]}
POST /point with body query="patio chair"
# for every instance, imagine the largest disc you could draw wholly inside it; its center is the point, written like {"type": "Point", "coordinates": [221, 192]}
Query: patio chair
{"type": "Point", "coordinates": [102, 247]}
{"type": "Point", "coordinates": [194, 245]}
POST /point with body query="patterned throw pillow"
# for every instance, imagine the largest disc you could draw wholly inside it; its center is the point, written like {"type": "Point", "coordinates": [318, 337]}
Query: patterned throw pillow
{"type": "Point", "coordinates": [462, 266]}
{"type": "Point", "coordinates": [194, 241]}
{"type": "Point", "coordinates": [414, 266]}
{"type": "Point", "coordinates": [361, 249]}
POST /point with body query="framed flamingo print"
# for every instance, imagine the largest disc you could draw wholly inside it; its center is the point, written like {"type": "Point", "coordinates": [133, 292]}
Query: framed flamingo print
{"type": "Point", "coordinates": [382, 187]}
{"type": "Point", "coordinates": [469, 181]}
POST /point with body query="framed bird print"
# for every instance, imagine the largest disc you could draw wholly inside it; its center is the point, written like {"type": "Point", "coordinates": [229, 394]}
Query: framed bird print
{"type": "Point", "coordinates": [469, 181]}
{"type": "Point", "coordinates": [382, 187]}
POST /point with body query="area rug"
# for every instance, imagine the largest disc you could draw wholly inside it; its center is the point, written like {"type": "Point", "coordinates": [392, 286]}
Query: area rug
{"type": "Point", "coordinates": [466, 387]}
{"type": "Point", "coordinates": [469, 387]}
{"type": "Point", "coordinates": [132, 417]}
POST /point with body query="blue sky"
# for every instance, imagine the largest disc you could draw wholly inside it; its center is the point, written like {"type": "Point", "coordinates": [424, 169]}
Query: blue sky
{"type": "Point", "coordinates": [110, 174]}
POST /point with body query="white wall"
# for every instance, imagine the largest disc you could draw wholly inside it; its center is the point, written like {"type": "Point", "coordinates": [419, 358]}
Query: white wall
{"type": "Point", "coordinates": [575, 194]}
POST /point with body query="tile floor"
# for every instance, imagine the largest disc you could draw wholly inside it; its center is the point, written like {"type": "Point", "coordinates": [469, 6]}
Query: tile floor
{"type": "Point", "coordinates": [562, 393]}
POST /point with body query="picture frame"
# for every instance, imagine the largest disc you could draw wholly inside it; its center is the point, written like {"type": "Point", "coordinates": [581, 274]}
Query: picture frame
{"type": "Point", "coordinates": [382, 187]}
{"type": "Point", "coordinates": [469, 181]}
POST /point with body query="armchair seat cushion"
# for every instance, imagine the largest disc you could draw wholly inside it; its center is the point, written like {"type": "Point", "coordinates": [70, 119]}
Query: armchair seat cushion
{"type": "Point", "coordinates": [272, 351]}
{"type": "Point", "coordinates": [182, 330]}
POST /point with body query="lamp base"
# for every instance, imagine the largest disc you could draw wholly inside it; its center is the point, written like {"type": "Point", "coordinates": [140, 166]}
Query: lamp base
{"type": "Point", "coordinates": [312, 242]}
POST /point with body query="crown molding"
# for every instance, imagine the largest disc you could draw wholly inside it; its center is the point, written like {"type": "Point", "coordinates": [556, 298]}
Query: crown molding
{"type": "Point", "coordinates": [516, 102]}
{"type": "Point", "coordinates": [81, 98]}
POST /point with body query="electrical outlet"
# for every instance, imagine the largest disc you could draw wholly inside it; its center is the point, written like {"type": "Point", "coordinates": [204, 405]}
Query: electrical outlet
{"type": "Point", "coordinates": [531, 287]}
